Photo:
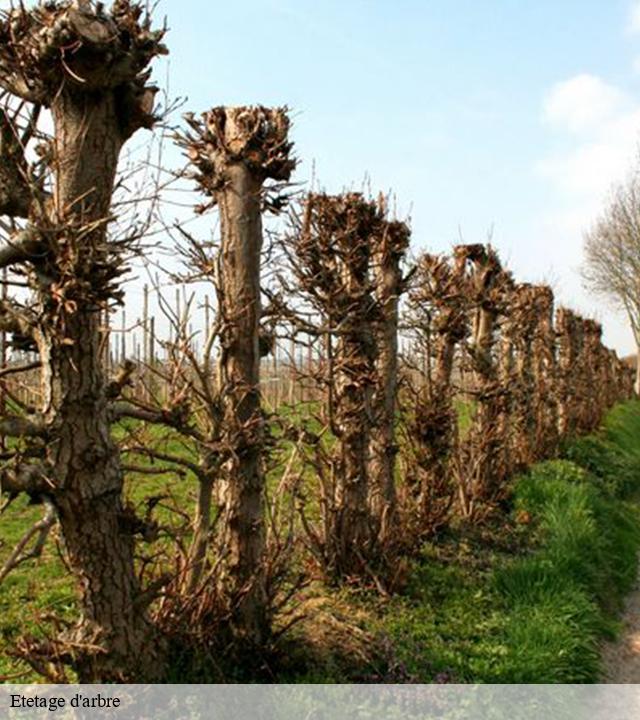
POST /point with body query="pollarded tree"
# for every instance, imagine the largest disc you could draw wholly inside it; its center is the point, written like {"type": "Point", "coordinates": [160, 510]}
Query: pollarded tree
{"type": "Point", "coordinates": [235, 151]}
{"type": "Point", "coordinates": [568, 350]}
{"type": "Point", "coordinates": [437, 318]}
{"type": "Point", "coordinates": [389, 247]}
{"type": "Point", "coordinates": [612, 256]}
{"type": "Point", "coordinates": [87, 65]}
{"type": "Point", "coordinates": [489, 286]}
{"type": "Point", "coordinates": [331, 253]}
{"type": "Point", "coordinates": [545, 399]}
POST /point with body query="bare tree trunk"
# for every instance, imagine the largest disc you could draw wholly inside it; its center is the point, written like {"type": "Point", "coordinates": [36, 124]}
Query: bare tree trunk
{"type": "Point", "coordinates": [489, 285]}
{"type": "Point", "coordinates": [566, 371]}
{"type": "Point", "coordinates": [506, 379]}
{"type": "Point", "coordinates": [87, 67]}
{"type": "Point", "coordinates": [236, 150]}
{"type": "Point", "coordinates": [333, 246]}
{"type": "Point", "coordinates": [544, 375]}
{"type": "Point", "coordinates": [637, 380]}
{"type": "Point", "coordinates": [84, 459]}
{"type": "Point", "coordinates": [437, 312]}
{"type": "Point", "coordinates": [352, 529]}
{"type": "Point", "coordinates": [243, 481]}
{"type": "Point", "coordinates": [389, 249]}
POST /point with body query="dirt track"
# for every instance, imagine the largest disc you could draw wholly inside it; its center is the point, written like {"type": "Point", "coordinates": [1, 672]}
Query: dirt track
{"type": "Point", "coordinates": [622, 658]}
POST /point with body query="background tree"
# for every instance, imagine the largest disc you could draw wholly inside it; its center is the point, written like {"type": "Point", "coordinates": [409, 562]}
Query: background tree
{"type": "Point", "coordinates": [612, 256]}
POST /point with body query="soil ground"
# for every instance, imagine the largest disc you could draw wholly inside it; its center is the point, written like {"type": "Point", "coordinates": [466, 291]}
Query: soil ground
{"type": "Point", "coordinates": [621, 659]}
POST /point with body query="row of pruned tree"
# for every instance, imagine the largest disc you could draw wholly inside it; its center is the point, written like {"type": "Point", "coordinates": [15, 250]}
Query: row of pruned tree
{"type": "Point", "coordinates": [390, 460]}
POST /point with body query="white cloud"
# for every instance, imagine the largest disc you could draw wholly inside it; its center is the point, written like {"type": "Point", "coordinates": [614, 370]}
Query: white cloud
{"type": "Point", "coordinates": [582, 103]}
{"type": "Point", "coordinates": [602, 129]}
{"type": "Point", "coordinates": [596, 132]}
{"type": "Point", "coordinates": [634, 17]}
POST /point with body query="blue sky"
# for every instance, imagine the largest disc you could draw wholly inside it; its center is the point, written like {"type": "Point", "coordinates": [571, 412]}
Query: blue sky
{"type": "Point", "coordinates": [506, 116]}
{"type": "Point", "coordinates": [500, 116]}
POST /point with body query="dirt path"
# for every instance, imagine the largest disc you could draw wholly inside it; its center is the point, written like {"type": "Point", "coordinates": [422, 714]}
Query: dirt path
{"type": "Point", "coordinates": [621, 659]}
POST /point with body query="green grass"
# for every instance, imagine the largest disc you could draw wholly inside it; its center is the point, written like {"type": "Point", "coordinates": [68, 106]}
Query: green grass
{"type": "Point", "coordinates": [529, 603]}
{"type": "Point", "coordinates": [524, 599]}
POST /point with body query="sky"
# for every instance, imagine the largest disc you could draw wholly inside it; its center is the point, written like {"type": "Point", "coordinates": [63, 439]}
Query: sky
{"type": "Point", "coordinates": [486, 118]}
{"type": "Point", "coordinates": [505, 119]}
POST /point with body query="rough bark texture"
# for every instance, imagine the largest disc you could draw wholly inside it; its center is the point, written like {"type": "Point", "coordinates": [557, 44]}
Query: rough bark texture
{"type": "Point", "coordinates": [333, 257]}
{"type": "Point", "coordinates": [567, 357]}
{"type": "Point", "coordinates": [352, 528]}
{"type": "Point", "coordinates": [487, 285]}
{"type": "Point", "coordinates": [524, 318]}
{"type": "Point", "coordinates": [390, 246]}
{"type": "Point", "coordinates": [243, 480]}
{"type": "Point", "coordinates": [235, 151]}
{"type": "Point", "coordinates": [439, 321]}
{"type": "Point", "coordinates": [85, 460]}
{"type": "Point", "coordinates": [590, 400]}
{"type": "Point", "coordinates": [85, 66]}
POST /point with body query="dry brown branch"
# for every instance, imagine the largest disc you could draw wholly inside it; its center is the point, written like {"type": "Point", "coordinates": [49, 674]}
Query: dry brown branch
{"type": "Point", "coordinates": [40, 530]}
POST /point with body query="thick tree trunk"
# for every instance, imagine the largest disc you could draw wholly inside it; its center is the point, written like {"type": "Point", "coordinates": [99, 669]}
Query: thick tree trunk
{"type": "Point", "coordinates": [84, 459]}
{"type": "Point", "coordinates": [242, 485]}
{"type": "Point", "coordinates": [390, 247]}
{"type": "Point", "coordinates": [352, 530]}
{"type": "Point", "coordinates": [236, 150]}
{"type": "Point", "coordinates": [636, 386]}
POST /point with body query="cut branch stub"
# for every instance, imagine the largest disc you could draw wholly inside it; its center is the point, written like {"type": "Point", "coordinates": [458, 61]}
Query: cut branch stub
{"type": "Point", "coordinates": [254, 136]}
{"type": "Point", "coordinates": [60, 44]}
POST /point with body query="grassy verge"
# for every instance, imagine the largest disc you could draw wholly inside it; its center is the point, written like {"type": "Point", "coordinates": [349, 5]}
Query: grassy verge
{"type": "Point", "coordinates": [527, 598]}
{"type": "Point", "coordinates": [530, 599]}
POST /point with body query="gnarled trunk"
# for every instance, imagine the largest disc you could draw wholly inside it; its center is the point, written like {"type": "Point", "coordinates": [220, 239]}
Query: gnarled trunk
{"type": "Point", "coordinates": [242, 486]}
{"type": "Point", "coordinates": [389, 248]}
{"type": "Point", "coordinates": [236, 150]}
{"type": "Point", "coordinates": [98, 531]}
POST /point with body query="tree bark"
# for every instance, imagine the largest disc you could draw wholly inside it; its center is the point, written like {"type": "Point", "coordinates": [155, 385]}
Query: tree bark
{"type": "Point", "coordinates": [236, 149]}
{"type": "Point", "coordinates": [87, 65]}
{"type": "Point", "coordinates": [84, 459]}
{"type": "Point", "coordinates": [544, 375]}
{"type": "Point", "coordinates": [488, 283]}
{"type": "Point", "coordinates": [389, 248]}
{"type": "Point", "coordinates": [242, 483]}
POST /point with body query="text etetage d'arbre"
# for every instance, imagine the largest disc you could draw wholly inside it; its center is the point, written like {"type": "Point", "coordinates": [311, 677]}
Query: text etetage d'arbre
{"type": "Point", "coordinates": [54, 704]}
